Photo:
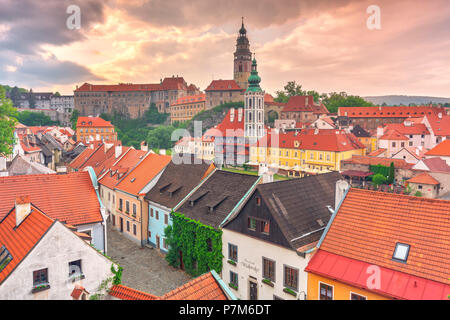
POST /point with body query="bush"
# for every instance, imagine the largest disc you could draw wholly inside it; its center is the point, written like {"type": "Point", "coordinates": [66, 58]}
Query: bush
{"type": "Point", "coordinates": [378, 179]}
{"type": "Point", "coordinates": [418, 194]}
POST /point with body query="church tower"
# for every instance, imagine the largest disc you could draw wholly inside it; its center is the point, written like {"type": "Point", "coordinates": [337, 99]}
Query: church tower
{"type": "Point", "coordinates": [242, 58]}
{"type": "Point", "coordinates": [254, 107]}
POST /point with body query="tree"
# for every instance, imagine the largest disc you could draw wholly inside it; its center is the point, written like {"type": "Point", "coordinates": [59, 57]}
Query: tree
{"type": "Point", "coordinates": [57, 94]}
{"type": "Point", "coordinates": [418, 194]}
{"type": "Point", "coordinates": [335, 100]}
{"type": "Point", "coordinates": [30, 118]}
{"type": "Point", "coordinates": [7, 123]}
{"type": "Point", "coordinates": [390, 177]}
{"type": "Point", "coordinates": [74, 118]}
{"type": "Point", "coordinates": [378, 179]}
{"type": "Point", "coordinates": [290, 89]}
{"type": "Point", "coordinates": [160, 137]}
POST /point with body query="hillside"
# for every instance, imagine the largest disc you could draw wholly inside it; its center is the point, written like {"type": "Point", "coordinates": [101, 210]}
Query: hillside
{"type": "Point", "coordinates": [392, 100]}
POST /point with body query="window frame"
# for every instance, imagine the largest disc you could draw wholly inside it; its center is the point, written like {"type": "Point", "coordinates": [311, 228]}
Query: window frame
{"type": "Point", "coordinates": [284, 277]}
{"type": "Point", "coordinates": [328, 285]}
{"type": "Point", "coordinates": [397, 244]}
{"type": "Point", "coordinates": [230, 256]}
{"type": "Point", "coordinates": [35, 275]}
{"type": "Point", "coordinates": [273, 278]}
{"type": "Point", "coordinates": [357, 294]}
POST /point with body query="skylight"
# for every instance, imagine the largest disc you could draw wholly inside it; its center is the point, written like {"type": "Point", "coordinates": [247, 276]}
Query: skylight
{"type": "Point", "coordinates": [5, 257]}
{"type": "Point", "coordinates": [401, 252]}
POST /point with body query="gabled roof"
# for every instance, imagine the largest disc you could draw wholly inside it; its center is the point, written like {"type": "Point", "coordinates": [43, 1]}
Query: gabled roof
{"type": "Point", "coordinates": [231, 122]}
{"type": "Point", "coordinates": [359, 132]}
{"type": "Point", "coordinates": [173, 83]}
{"type": "Point", "coordinates": [386, 112]}
{"type": "Point", "coordinates": [363, 231]}
{"type": "Point", "coordinates": [208, 286]}
{"type": "Point", "coordinates": [92, 122]}
{"type": "Point", "coordinates": [144, 172]}
{"type": "Point", "coordinates": [412, 129]}
{"type": "Point", "coordinates": [393, 135]}
{"type": "Point", "coordinates": [19, 241]}
{"type": "Point", "coordinates": [70, 197]}
{"type": "Point", "coordinates": [299, 206]}
{"type": "Point", "coordinates": [439, 125]}
{"type": "Point", "coordinates": [377, 152]}
{"type": "Point", "coordinates": [176, 182]}
{"type": "Point", "coordinates": [221, 191]}
{"type": "Point", "coordinates": [435, 165]}
{"type": "Point", "coordinates": [81, 158]}
{"type": "Point", "coordinates": [442, 149]}
{"type": "Point", "coordinates": [304, 104]}
{"type": "Point", "coordinates": [423, 178]}
{"type": "Point", "coordinates": [223, 85]}
{"type": "Point", "coordinates": [125, 293]}
{"type": "Point", "coordinates": [190, 99]}
{"type": "Point", "coordinates": [398, 163]}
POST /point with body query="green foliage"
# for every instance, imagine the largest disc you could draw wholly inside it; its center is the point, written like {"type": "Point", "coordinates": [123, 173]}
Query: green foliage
{"type": "Point", "coordinates": [30, 118]}
{"type": "Point", "coordinates": [102, 289]}
{"type": "Point", "coordinates": [335, 100]}
{"type": "Point", "coordinates": [191, 237]}
{"type": "Point", "coordinates": [290, 291]}
{"type": "Point", "coordinates": [418, 194]}
{"type": "Point", "coordinates": [160, 137]}
{"type": "Point", "coordinates": [74, 118]}
{"type": "Point", "coordinates": [378, 179]}
{"type": "Point", "coordinates": [379, 169]}
{"type": "Point", "coordinates": [232, 285]}
{"type": "Point", "coordinates": [294, 89]}
{"type": "Point", "coordinates": [8, 116]}
{"type": "Point", "coordinates": [117, 279]}
{"type": "Point", "coordinates": [390, 177]}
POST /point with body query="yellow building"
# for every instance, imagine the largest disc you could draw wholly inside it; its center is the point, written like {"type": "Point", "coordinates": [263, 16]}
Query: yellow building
{"type": "Point", "coordinates": [185, 108]}
{"type": "Point", "coordinates": [299, 154]}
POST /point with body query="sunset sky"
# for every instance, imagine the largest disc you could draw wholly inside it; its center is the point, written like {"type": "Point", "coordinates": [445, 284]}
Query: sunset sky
{"type": "Point", "coordinates": [323, 45]}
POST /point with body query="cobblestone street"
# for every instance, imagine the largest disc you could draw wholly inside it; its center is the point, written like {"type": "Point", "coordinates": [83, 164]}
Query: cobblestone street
{"type": "Point", "coordinates": [143, 268]}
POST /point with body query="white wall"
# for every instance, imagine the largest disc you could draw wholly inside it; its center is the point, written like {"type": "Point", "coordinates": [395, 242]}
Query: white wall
{"type": "Point", "coordinates": [250, 254]}
{"type": "Point", "coordinates": [58, 247]}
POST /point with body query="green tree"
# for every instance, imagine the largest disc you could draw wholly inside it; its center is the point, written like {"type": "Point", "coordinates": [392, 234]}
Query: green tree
{"type": "Point", "coordinates": [160, 137]}
{"type": "Point", "coordinates": [418, 194]}
{"type": "Point", "coordinates": [378, 179]}
{"type": "Point", "coordinates": [335, 100]}
{"type": "Point", "coordinates": [57, 94]}
{"type": "Point", "coordinates": [7, 123]}
{"type": "Point", "coordinates": [74, 118]}
{"type": "Point", "coordinates": [293, 89]}
{"type": "Point", "coordinates": [391, 176]}
{"type": "Point", "coordinates": [30, 118]}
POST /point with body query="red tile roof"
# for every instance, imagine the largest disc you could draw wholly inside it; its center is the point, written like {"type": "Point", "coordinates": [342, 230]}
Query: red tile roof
{"type": "Point", "coordinates": [304, 104]}
{"type": "Point", "coordinates": [81, 158]}
{"type": "Point", "coordinates": [423, 178]}
{"type": "Point", "coordinates": [440, 126]}
{"type": "Point", "coordinates": [386, 112]}
{"type": "Point", "coordinates": [77, 291]}
{"type": "Point", "coordinates": [436, 165]}
{"type": "Point", "coordinates": [92, 122]}
{"type": "Point", "coordinates": [413, 129]}
{"type": "Point", "coordinates": [393, 135]}
{"type": "Point", "coordinates": [204, 287]}
{"type": "Point", "coordinates": [325, 141]}
{"type": "Point", "coordinates": [70, 197]}
{"type": "Point", "coordinates": [143, 173]}
{"type": "Point", "coordinates": [362, 230]}
{"type": "Point", "coordinates": [398, 163]}
{"type": "Point", "coordinates": [20, 240]}
{"type": "Point", "coordinates": [442, 149]}
{"type": "Point", "coordinates": [231, 123]}
{"type": "Point", "coordinates": [190, 99]}
{"type": "Point", "coordinates": [268, 97]}
{"type": "Point", "coordinates": [174, 83]}
{"type": "Point", "coordinates": [125, 293]}
{"type": "Point", "coordinates": [377, 152]}
{"type": "Point", "coordinates": [223, 85]}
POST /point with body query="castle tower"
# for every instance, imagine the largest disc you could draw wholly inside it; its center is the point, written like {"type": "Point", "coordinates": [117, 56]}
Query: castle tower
{"type": "Point", "coordinates": [242, 58]}
{"type": "Point", "coordinates": [254, 107]}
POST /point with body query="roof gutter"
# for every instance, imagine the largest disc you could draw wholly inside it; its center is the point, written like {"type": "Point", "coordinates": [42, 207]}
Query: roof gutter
{"type": "Point", "coordinates": [332, 218]}
{"type": "Point", "coordinates": [224, 287]}
{"type": "Point", "coordinates": [249, 191]}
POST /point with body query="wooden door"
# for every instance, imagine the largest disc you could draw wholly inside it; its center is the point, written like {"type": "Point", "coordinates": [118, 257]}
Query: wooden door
{"type": "Point", "coordinates": [121, 224]}
{"type": "Point", "coordinates": [253, 290]}
{"type": "Point", "coordinates": [157, 242]}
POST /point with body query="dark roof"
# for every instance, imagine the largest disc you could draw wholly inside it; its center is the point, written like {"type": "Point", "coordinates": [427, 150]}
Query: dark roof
{"type": "Point", "coordinates": [359, 132]}
{"type": "Point", "coordinates": [221, 191]}
{"type": "Point", "coordinates": [299, 206]}
{"type": "Point", "coordinates": [176, 182]}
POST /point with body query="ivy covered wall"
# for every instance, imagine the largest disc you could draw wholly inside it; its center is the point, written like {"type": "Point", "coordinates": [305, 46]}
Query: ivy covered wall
{"type": "Point", "coordinates": [200, 244]}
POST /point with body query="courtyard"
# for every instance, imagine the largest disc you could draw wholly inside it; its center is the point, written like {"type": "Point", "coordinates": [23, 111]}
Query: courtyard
{"type": "Point", "coordinates": [144, 269]}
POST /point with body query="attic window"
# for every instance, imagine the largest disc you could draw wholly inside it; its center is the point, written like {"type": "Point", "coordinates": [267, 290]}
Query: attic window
{"type": "Point", "coordinates": [133, 179]}
{"type": "Point", "coordinates": [215, 204]}
{"type": "Point", "coordinates": [320, 222]}
{"type": "Point", "coordinates": [5, 257]}
{"type": "Point", "coordinates": [401, 252]}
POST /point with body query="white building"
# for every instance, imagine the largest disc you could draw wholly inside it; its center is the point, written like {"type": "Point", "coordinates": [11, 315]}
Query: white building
{"type": "Point", "coordinates": [254, 107]}
{"type": "Point", "coordinates": [41, 258]}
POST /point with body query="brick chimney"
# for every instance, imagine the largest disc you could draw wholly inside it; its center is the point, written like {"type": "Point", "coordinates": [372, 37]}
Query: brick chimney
{"type": "Point", "coordinates": [23, 208]}
{"type": "Point", "coordinates": [144, 146]}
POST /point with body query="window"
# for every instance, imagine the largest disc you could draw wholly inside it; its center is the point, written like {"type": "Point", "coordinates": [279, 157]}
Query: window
{"type": "Point", "coordinates": [234, 280]}
{"type": "Point", "coordinates": [127, 208]}
{"type": "Point", "coordinates": [165, 246]}
{"type": "Point", "coordinates": [166, 219]}
{"type": "Point", "coordinates": [134, 209]}
{"type": "Point", "coordinates": [120, 204]}
{"type": "Point", "coordinates": [252, 224]}
{"type": "Point", "coordinates": [75, 268]}
{"type": "Point", "coordinates": [269, 269]}
{"type": "Point", "coordinates": [232, 252]}
{"type": "Point", "coordinates": [401, 252]}
{"type": "Point", "coordinates": [258, 201]}
{"type": "Point", "coordinates": [128, 226]}
{"type": "Point", "coordinates": [113, 220]}
{"type": "Point", "coordinates": [326, 292]}
{"type": "Point", "coordinates": [134, 229]}
{"type": "Point", "coordinates": [156, 214]}
{"type": "Point", "coordinates": [5, 257]}
{"type": "Point", "coordinates": [151, 212]}
{"type": "Point", "coordinates": [264, 226]}
{"type": "Point", "coordinates": [40, 277]}
{"type": "Point", "coordinates": [290, 277]}
{"type": "Point", "coordinates": [209, 244]}
{"type": "Point", "coordinates": [354, 296]}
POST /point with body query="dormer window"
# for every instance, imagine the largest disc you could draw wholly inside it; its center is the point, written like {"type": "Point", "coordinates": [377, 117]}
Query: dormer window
{"type": "Point", "coordinates": [401, 252]}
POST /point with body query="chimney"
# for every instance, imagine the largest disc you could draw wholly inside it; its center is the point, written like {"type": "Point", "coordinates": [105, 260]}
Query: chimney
{"type": "Point", "coordinates": [144, 146]}
{"type": "Point", "coordinates": [162, 151]}
{"type": "Point", "coordinates": [118, 151]}
{"type": "Point", "coordinates": [341, 187]}
{"type": "Point", "coordinates": [440, 115]}
{"type": "Point", "coordinates": [380, 131]}
{"type": "Point", "coordinates": [23, 208]}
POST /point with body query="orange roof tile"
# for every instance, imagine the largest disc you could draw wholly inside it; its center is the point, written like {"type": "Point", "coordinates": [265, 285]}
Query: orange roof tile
{"type": "Point", "coordinates": [190, 99]}
{"type": "Point", "coordinates": [413, 129]}
{"type": "Point", "coordinates": [70, 197]}
{"type": "Point", "coordinates": [20, 240]}
{"type": "Point", "coordinates": [81, 158]}
{"type": "Point", "coordinates": [393, 135]}
{"type": "Point", "coordinates": [398, 163]}
{"type": "Point", "coordinates": [204, 287]}
{"type": "Point", "coordinates": [144, 172]}
{"type": "Point", "coordinates": [365, 231]}
{"type": "Point", "coordinates": [386, 112]}
{"type": "Point", "coordinates": [125, 293]}
{"type": "Point", "coordinates": [223, 85]}
{"type": "Point", "coordinates": [377, 152]}
{"type": "Point", "coordinates": [92, 122]}
{"type": "Point", "coordinates": [442, 149]}
{"type": "Point", "coordinates": [439, 125]}
{"type": "Point", "coordinates": [423, 178]}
